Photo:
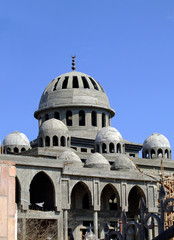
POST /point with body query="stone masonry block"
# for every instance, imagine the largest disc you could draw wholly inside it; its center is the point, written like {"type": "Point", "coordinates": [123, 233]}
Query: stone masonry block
{"type": "Point", "coordinates": [11, 229]}
{"type": "Point", "coordinates": [4, 180]}
{"type": "Point", "coordinates": [3, 217]}
{"type": "Point", "coordinates": [11, 197]}
{"type": "Point", "coordinates": [12, 171]}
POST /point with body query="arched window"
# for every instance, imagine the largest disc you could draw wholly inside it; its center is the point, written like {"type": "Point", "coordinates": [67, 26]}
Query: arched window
{"type": "Point", "coordinates": [85, 82]}
{"type": "Point", "coordinates": [57, 115]}
{"type": "Point", "coordinates": [81, 118]}
{"type": "Point", "coordinates": [146, 154]}
{"type": "Point", "coordinates": [69, 118]}
{"type": "Point", "coordinates": [111, 148]}
{"type": "Point", "coordinates": [42, 193]}
{"type": "Point", "coordinates": [153, 154]}
{"type": "Point", "coordinates": [47, 141]}
{"type": "Point", "coordinates": [160, 153]}
{"type": "Point", "coordinates": [23, 149]}
{"type": "Point", "coordinates": [104, 148]}
{"type": "Point", "coordinates": [65, 83]}
{"type": "Point", "coordinates": [55, 141]}
{"type": "Point", "coordinates": [103, 120]}
{"type": "Point", "coordinates": [166, 153]}
{"type": "Point", "coordinates": [118, 148]}
{"type": "Point", "coordinates": [62, 141]}
{"type": "Point", "coordinates": [16, 150]}
{"type": "Point", "coordinates": [75, 82]}
{"type": "Point", "coordinates": [94, 118]}
{"type": "Point", "coordinates": [46, 117]}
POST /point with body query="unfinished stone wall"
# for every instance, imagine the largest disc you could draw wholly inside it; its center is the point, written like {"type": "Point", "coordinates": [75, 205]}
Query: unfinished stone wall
{"type": "Point", "coordinates": [7, 200]}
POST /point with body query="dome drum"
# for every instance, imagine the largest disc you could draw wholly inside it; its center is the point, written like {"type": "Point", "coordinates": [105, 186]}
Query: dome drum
{"type": "Point", "coordinates": [156, 152]}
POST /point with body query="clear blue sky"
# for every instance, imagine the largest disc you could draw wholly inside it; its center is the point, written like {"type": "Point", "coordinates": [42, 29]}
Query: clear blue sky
{"type": "Point", "coordinates": [126, 45]}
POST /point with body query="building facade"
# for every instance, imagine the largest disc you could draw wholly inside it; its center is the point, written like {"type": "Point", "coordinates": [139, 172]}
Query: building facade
{"type": "Point", "coordinates": [80, 171]}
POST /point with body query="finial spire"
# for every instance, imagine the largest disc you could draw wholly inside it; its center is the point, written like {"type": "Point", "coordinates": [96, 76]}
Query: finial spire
{"type": "Point", "coordinates": [73, 63]}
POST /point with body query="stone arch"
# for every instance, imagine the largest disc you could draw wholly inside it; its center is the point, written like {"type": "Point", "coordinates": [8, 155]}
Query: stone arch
{"type": "Point", "coordinates": [110, 199]}
{"type": "Point", "coordinates": [134, 199]}
{"type": "Point", "coordinates": [55, 140]}
{"type": "Point", "coordinates": [47, 141]}
{"type": "Point", "coordinates": [42, 192]}
{"type": "Point", "coordinates": [81, 196]}
{"type": "Point", "coordinates": [16, 150]}
{"type": "Point", "coordinates": [17, 192]}
{"type": "Point", "coordinates": [153, 153]}
{"type": "Point", "coordinates": [23, 149]}
{"type": "Point", "coordinates": [111, 148]}
{"type": "Point", "coordinates": [160, 153]}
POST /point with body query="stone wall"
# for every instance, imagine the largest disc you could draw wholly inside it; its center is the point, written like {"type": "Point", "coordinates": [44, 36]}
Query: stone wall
{"type": "Point", "coordinates": [7, 200]}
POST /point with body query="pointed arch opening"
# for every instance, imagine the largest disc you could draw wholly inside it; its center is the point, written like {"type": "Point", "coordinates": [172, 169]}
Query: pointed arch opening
{"type": "Point", "coordinates": [42, 193]}
{"type": "Point", "coordinates": [80, 196]}
{"type": "Point", "coordinates": [110, 199]}
{"type": "Point", "coordinates": [134, 200]}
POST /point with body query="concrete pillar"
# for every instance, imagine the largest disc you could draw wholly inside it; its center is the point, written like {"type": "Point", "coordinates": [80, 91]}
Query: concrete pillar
{"type": "Point", "coordinates": [23, 228]}
{"type": "Point", "coordinates": [65, 224]}
{"type": "Point", "coordinates": [96, 223]}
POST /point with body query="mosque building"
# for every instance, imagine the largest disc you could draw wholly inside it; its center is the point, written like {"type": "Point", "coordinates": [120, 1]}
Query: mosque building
{"type": "Point", "coordinates": [80, 171]}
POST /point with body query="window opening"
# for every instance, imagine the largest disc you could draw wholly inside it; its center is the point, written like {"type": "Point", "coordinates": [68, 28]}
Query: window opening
{"type": "Point", "coordinates": [85, 82]}
{"type": "Point", "coordinates": [46, 117]}
{"type": "Point", "coordinates": [94, 118]}
{"type": "Point", "coordinates": [16, 150]}
{"type": "Point", "coordinates": [111, 148]}
{"type": "Point", "coordinates": [62, 140]}
{"type": "Point", "coordinates": [118, 148]}
{"type": "Point", "coordinates": [103, 148]}
{"type": "Point", "coordinates": [23, 150]}
{"type": "Point", "coordinates": [103, 120]}
{"type": "Point", "coordinates": [55, 141]}
{"type": "Point", "coordinates": [65, 83]}
{"type": "Point", "coordinates": [69, 118]}
{"type": "Point", "coordinates": [160, 153]}
{"type": "Point", "coordinates": [47, 141]}
{"type": "Point", "coordinates": [75, 82]}
{"type": "Point", "coordinates": [81, 118]}
{"type": "Point", "coordinates": [166, 153]}
{"type": "Point", "coordinates": [57, 115]}
{"type": "Point", "coordinates": [153, 153]}
{"type": "Point", "coordinates": [55, 85]}
{"type": "Point", "coordinates": [83, 150]}
{"type": "Point", "coordinates": [94, 84]}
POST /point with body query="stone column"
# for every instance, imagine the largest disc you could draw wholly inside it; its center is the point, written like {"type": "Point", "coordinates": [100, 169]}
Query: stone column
{"type": "Point", "coordinates": [96, 223]}
{"type": "Point", "coordinates": [65, 224]}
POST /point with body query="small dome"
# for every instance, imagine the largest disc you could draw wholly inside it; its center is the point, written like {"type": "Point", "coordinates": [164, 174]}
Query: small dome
{"type": "Point", "coordinates": [96, 160]}
{"type": "Point", "coordinates": [122, 162]}
{"type": "Point", "coordinates": [109, 134]}
{"type": "Point", "coordinates": [70, 157]}
{"type": "Point", "coordinates": [156, 140]}
{"type": "Point", "coordinates": [16, 139]}
{"type": "Point", "coordinates": [53, 125]}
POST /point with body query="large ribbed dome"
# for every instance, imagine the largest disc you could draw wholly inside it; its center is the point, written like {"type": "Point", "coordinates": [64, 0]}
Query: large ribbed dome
{"type": "Point", "coordinates": [74, 89]}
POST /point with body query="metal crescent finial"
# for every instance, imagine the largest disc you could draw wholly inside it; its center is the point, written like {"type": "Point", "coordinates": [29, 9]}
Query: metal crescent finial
{"type": "Point", "coordinates": [73, 62]}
